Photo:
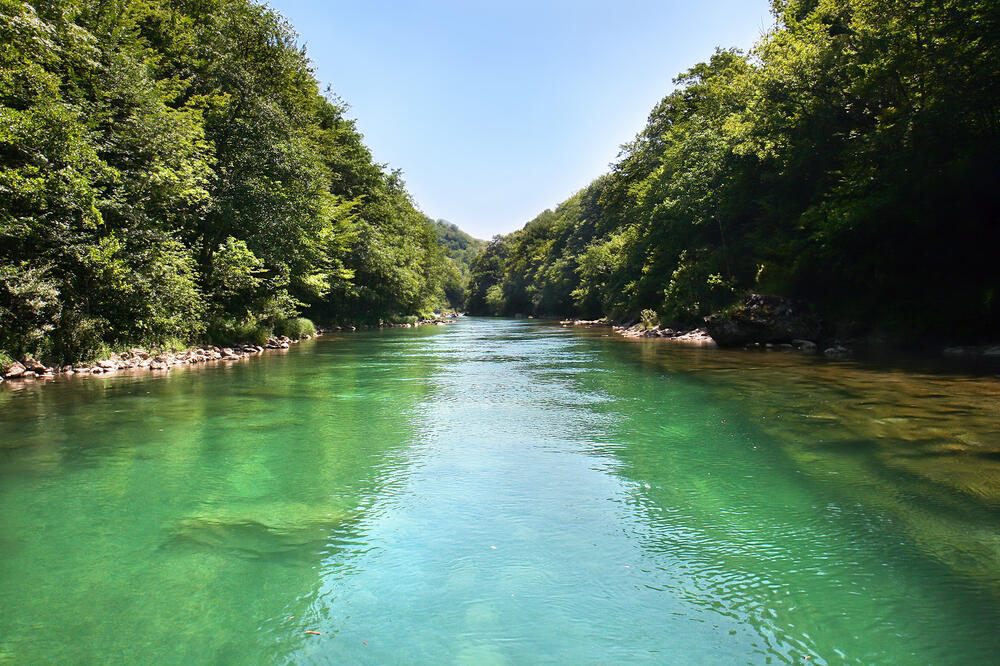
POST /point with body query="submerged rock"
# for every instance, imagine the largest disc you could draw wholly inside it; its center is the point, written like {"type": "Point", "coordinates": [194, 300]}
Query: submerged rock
{"type": "Point", "coordinates": [259, 530]}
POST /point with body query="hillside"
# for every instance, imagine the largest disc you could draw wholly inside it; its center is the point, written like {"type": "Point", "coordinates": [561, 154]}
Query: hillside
{"type": "Point", "coordinates": [849, 162]}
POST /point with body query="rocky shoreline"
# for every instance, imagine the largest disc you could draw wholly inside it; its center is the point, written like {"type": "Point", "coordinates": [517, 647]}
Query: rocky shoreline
{"type": "Point", "coordinates": [773, 323]}
{"type": "Point", "coordinates": [30, 369]}
{"type": "Point", "coordinates": [702, 337]}
{"type": "Point", "coordinates": [697, 337]}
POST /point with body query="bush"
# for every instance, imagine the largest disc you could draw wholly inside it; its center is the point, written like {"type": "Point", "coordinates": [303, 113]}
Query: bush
{"type": "Point", "coordinates": [30, 297]}
{"type": "Point", "coordinates": [229, 332]}
{"type": "Point", "coordinates": [258, 334]}
{"type": "Point", "coordinates": [649, 319]}
{"type": "Point", "coordinates": [295, 328]}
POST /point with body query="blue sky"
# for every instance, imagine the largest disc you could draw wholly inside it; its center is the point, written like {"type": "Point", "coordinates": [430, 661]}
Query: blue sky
{"type": "Point", "coordinates": [498, 110]}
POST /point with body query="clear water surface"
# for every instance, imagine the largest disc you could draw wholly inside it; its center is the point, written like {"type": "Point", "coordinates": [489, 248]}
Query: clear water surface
{"type": "Point", "coordinates": [503, 492]}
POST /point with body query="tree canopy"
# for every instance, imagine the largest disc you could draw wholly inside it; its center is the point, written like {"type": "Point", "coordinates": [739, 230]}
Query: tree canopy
{"type": "Point", "coordinates": [849, 160]}
{"type": "Point", "coordinates": [170, 171]}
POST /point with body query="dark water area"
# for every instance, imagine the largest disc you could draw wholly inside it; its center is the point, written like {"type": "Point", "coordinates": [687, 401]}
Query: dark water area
{"type": "Point", "coordinates": [504, 492]}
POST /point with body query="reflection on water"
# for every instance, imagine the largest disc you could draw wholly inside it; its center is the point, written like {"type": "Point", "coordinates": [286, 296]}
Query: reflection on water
{"type": "Point", "coordinates": [921, 447]}
{"type": "Point", "coordinates": [503, 492]}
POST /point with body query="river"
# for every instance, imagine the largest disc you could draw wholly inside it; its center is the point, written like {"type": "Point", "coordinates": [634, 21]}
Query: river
{"type": "Point", "coordinates": [503, 492]}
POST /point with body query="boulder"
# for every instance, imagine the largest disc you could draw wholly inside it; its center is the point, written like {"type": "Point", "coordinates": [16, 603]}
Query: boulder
{"type": "Point", "coordinates": [804, 345]}
{"type": "Point", "coordinates": [764, 319]}
{"type": "Point", "coordinates": [15, 369]}
{"type": "Point", "coordinates": [958, 351]}
{"type": "Point", "coordinates": [107, 365]}
{"type": "Point", "coordinates": [836, 351]}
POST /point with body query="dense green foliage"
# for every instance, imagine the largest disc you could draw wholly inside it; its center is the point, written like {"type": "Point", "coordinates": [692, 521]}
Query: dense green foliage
{"type": "Point", "coordinates": [170, 171]}
{"type": "Point", "coordinates": [851, 160]}
{"type": "Point", "coordinates": [461, 249]}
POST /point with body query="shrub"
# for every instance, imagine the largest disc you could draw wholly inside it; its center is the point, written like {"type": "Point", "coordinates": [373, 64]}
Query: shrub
{"type": "Point", "coordinates": [30, 297]}
{"type": "Point", "coordinates": [257, 334]}
{"type": "Point", "coordinates": [229, 332]}
{"type": "Point", "coordinates": [649, 319]}
{"type": "Point", "coordinates": [295, 328]}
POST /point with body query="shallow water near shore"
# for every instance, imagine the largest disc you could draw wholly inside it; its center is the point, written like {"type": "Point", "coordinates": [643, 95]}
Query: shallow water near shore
{"type": "Point", "coordinates": [500, 491]}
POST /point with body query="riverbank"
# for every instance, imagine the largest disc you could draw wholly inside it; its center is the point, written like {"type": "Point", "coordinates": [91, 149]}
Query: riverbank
{"type": "Point", "coordinates": [966, 356]}
{"type": "Point", "coordinates": [697, 337]}
{"type": "Point", "coordinates": [159, 360]}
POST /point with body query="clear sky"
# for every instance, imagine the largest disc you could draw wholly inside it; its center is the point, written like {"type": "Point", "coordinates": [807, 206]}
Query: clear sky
{"type": "Point", "coordinates": [498, 110]}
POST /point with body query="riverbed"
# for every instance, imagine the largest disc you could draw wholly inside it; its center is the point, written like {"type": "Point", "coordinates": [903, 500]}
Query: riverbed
{"type": "Point", "coordinates": [503, 492]}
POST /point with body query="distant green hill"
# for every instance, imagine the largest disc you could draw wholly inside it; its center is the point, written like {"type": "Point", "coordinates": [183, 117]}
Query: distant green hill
{"type": "Point", "coordinates": [461, 248]}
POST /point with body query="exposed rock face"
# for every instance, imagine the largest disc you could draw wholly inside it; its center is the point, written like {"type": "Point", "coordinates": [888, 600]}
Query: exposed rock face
{"type": "Point", "coordinates": [15, 369]}
{"type": "Point", "coordinates": [33, 365]}
{"type": "Point", "coordinates": [697, 337]}
{"type": "Point", "coordinates": [763, 319]}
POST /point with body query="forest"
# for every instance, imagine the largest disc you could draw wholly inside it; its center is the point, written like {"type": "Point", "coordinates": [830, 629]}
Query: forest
{"type": "Point", "coordinates": [171, 172]}
{"type": "Point", "coordinates": [850, 162]}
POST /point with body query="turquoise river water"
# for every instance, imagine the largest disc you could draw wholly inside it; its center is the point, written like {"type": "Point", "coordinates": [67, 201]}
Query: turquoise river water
{"type": "Point", "coordinates": [503, 492]}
